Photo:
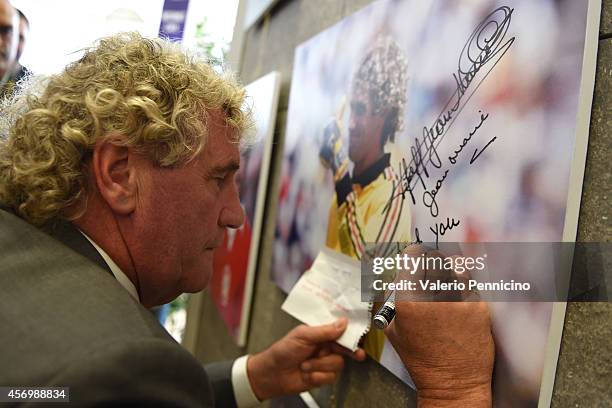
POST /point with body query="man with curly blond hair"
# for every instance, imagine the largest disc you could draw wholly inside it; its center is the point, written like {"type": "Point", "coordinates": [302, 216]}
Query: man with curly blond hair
{"type": "Point", "coordinates": [117, 183]}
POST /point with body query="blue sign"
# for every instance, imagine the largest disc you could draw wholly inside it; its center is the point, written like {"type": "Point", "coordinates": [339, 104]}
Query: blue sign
{"type": "Point", "coordinates": [173, 19]}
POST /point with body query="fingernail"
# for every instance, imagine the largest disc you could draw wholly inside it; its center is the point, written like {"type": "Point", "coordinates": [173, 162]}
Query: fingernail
{"type": "Point", "coordinates": [306, 366]}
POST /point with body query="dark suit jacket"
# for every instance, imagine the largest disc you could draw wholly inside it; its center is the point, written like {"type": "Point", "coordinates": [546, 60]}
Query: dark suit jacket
{"type": "Point", "coordinates": [66, 321]}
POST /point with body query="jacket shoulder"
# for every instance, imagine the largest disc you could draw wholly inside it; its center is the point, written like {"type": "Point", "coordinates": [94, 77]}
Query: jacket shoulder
{"type": "Point", "coordinates": [143, 372]}
{"type": "Point", "coordinates": [55, 303]}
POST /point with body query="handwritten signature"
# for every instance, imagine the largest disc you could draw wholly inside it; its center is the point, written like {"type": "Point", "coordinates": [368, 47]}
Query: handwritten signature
{"type": "Point", "coordinates": [453, 158]}
{"type": "Point", "coordinates": [485, 45]}
{"type": "Point", "coordinates": [440, 228]}
{"type": "Point", "coordinates": [481, 53]}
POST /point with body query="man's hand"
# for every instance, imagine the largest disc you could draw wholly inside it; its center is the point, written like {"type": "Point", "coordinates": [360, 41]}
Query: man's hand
{"type": "Point", "coordinates": [448, 349]}
{"type": "Point", "coordinates": [305, 358]}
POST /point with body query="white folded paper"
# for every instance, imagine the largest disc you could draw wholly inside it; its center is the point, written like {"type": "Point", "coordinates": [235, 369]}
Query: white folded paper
{"type": "Point", "coordinates": [329, 290]}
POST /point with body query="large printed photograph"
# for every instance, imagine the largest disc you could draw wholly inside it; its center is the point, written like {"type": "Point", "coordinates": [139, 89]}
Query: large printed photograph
{"type": "Point", "coordinates": [437, 121]}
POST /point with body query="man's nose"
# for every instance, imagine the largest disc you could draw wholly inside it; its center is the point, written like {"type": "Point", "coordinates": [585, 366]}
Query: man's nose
{"type": "Point", "coordinates": [232, 215]}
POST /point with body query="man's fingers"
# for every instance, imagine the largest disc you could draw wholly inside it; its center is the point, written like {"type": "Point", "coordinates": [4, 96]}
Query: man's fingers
{"type": "Point", "coordinates": [418, 268]}
{"type": "Point", "coordinates": [332, 362]}
{"type": "Point", "coordinates": [358, 354]}
{"type": "Point", "coordinates": [321, 334]}
{"type": "Point", "coordinates": [318, 378]}
{"type": "Point", "coordinates": [460, 272]}
{"type": "Point", "coordinates": [463, 274]}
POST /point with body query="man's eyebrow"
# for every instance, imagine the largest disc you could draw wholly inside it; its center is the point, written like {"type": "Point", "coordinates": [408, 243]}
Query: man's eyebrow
{"type": "Point", "coordinates": [225, 168]}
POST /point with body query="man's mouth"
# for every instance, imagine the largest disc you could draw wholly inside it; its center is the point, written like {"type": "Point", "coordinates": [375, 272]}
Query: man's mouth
{"type": "Point", "coordinates": [215, 245]}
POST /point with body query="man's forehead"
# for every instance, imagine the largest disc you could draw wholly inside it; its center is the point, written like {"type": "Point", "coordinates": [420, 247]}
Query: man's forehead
{"type": "Point", "coordinates": [6, 13]}
{"type": "Point", "coordinates": [216, 122]}
{"type": "Point", "coordinates": [222, 149]}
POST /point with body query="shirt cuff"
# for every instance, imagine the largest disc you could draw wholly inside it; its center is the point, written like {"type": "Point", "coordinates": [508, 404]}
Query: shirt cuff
{"type": "Point", "coordinates": [245, 397]}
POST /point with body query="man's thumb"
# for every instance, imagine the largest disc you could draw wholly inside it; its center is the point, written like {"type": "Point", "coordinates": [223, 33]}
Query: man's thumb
{"type": "Point", "coordinates": [326, 332]}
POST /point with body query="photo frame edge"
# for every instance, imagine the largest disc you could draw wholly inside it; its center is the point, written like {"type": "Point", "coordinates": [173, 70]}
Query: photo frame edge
{"type": "Point", "coordinates": [574, 195]}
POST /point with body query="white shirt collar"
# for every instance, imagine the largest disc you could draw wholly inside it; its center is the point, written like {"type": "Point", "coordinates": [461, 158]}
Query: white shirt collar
{"type": "Point", "coordinates": [119, 275]}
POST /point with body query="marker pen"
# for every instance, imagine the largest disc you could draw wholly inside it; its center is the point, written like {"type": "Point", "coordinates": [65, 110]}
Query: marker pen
{"type": "Point", "coordinates": [385, 314]}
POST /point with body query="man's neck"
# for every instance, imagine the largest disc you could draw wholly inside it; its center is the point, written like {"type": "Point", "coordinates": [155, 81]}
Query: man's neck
{"type": "Point", "coordinates": [115, 269]}
{"type": "Point", "coordinates": [100, 226]}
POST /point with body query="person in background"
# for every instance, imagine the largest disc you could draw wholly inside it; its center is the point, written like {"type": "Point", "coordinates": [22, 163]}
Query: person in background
{"type": "Point", "coordinates": [19, 71]}
{"type": "Point", "coordinates": [8, 45]}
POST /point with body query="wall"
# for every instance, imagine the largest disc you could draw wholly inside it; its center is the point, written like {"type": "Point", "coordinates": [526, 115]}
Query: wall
{"type": "Point", "coordinates": [585, 361]}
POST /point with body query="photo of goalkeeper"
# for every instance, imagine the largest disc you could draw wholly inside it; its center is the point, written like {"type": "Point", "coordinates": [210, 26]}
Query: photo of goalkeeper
{"type": "Point", "coordinates": [366, 206]}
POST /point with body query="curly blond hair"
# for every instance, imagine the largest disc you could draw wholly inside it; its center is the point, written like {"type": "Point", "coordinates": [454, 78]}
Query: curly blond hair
{"type": "Point", "coordinates": [150, 91]}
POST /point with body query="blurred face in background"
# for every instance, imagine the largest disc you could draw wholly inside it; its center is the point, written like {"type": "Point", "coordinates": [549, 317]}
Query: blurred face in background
{"type": "Point", "coordinates": [8, 36]}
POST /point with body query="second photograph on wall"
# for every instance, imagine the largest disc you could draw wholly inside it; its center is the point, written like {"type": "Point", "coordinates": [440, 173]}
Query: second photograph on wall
{"type": "Point", "coordinates": [234, 263]}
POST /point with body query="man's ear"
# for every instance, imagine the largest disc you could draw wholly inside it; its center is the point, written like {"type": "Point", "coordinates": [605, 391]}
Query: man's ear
{"type": "Point", "coordinates": [114, 170]}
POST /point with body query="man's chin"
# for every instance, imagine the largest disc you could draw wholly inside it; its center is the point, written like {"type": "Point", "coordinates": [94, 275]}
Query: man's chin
{"type": "Point", "coordinates": [199, 281]}
{"type": "Point", "coordinates": [196, 287]}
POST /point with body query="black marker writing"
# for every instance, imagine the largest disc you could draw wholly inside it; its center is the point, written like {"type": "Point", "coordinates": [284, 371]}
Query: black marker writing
{"type": "Point", "coordinates": [483, 50]}
{"type": "Point", "coordinates": [440, 228]}
{"type": "Point", "coordinates": [417, 237]}
{"type": "Point", "coordinates": [475, 156]}
{"type": "Point", "coordinates": [453, 157]}
{"type": "Point", "coordinates": [429, 197]}
{"type": "Point", "coordinates": [483, 46]}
